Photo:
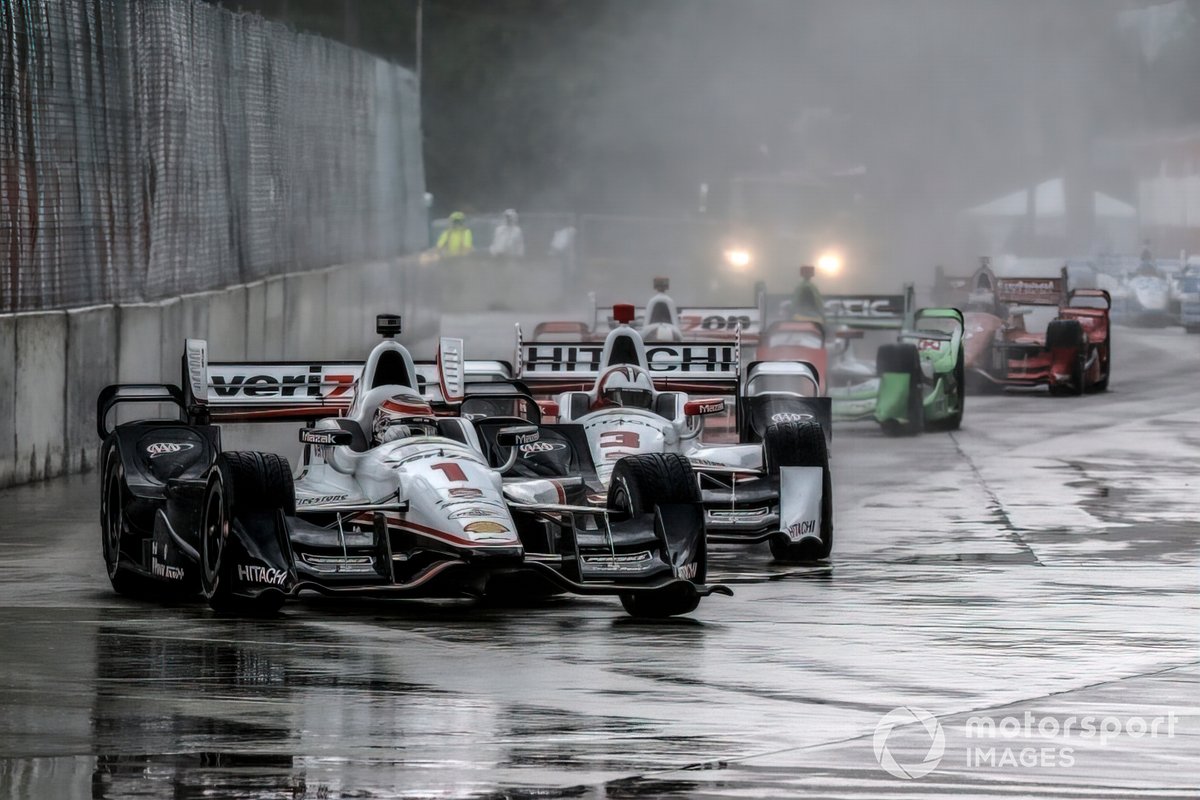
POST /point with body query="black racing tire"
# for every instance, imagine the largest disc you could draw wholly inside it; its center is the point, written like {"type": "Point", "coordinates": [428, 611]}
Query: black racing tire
{"type": "Point", "coordinates": [1078, 373]}
{"type": "Point", "coordinates": [240, 483]}
{"type": "Point", "coordinates": [1102, 384]}
{"type": "Point", "coordinates": [115, 500]}
{"type": "Point", "coordinates": [954, 421]}
{"type": "Point", "coordinates": [801, 444]}
{"type": "Point", "coordinates": [903, 357]}
{"type": "Point", "coordinates": [639, 483]}
{"type": "Point", "coordinates": [1064, 333]}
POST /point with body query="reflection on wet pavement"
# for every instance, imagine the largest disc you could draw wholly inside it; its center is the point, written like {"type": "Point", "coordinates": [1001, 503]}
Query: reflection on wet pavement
{"type": "Point", "coordinates": [1026, 562]}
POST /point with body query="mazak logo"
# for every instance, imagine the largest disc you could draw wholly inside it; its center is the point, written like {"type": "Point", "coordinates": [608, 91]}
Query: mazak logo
{"type": "Point", "coordinates": [167, 448]}
{"type": "Point", "coordinates": [252, 573]}
{"type": "Point", "coordinates": [927, 733]}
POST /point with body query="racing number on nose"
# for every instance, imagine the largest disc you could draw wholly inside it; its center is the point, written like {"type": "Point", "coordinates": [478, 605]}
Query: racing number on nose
{"type": "Point", "coordinates": [452, 471]}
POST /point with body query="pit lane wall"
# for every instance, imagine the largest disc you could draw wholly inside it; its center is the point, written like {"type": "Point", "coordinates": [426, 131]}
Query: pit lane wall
{"type": "Point", "coordinates": [53, 364]}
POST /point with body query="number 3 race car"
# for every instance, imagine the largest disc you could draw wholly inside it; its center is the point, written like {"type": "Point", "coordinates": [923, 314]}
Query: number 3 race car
{"type": "Point", "coordinates": [394, 499]}
{"type": "Point", "coordinates": [630, 397]}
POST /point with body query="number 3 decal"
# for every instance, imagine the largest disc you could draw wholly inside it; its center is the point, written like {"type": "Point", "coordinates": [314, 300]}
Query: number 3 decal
{"type": "Point", "coordinates": [627, 439]}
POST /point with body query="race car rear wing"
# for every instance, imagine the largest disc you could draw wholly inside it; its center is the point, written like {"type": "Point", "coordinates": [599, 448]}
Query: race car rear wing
{"type": "Point", "coordinates": [868, 311]}
{"type": "Point", "coordinates": [712, 366]}
{"type": "Point", "coordinates": [1030, 291]}
{"type": "Point", "coordinates": [299, 390]}
{"type": "Point", "coordinates": [694, 321]}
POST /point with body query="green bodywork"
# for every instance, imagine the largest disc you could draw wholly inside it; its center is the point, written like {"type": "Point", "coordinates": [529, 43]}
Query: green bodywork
{"type": "Point", "coordinates": [937, 335]}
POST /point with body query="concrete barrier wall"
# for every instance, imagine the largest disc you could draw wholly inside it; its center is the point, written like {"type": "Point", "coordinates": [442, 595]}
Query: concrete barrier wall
{"type": "Point", "coordinates": [54, 364]}
{"type": "Point", "coordinates": [41, 382]}
{"type": "Point", "coordinates": [8, 398]}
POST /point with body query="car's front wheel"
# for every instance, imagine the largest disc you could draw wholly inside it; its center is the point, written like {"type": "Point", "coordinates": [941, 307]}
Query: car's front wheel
{"type": "Point", "coordinates": [801, 444]}
{"type": "Point", "coordinates": [638, 484]}
{"type": "Point", "coordinates": [239, 484]}
{"type": "Point", "coordinates": [115, 532]}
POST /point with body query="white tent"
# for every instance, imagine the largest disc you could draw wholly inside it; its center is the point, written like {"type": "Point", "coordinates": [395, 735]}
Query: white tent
{"type": "Point", "coordinates": [1045, 208]}
{"type": "Point", "coordinates": [1050, 201]}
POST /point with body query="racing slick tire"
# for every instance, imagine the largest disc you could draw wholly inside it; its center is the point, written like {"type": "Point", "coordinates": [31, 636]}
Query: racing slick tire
{"type": "Point", "coordinates": [240, 483]}
{"type": "Point", "coordinates": [1102, 384]}
{"type": "Point", "coordinates": [116, 512]}
{"type": "Point", "coordinates": [954, 421]}
{"type": "Point", "coordinates": [1068, 333]}
{"type": "Point", "coordinates": [904, 358]}
{"type": "Point", "coordinates": [638, 484]}
{"type": "Point", "coordinates": [801, 444]}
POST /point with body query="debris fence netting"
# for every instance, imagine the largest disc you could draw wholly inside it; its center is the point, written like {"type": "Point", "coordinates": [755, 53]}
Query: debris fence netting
{"type": "Point", "coordinates": [150, 149]}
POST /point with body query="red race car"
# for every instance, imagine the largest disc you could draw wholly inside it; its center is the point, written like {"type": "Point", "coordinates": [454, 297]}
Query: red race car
{"type": "Point", "coordinates": [1030, 332]}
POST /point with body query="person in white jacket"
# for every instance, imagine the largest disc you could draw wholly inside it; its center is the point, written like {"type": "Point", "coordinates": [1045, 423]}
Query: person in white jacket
{"type": "Point", "coordinates": [508, 241]}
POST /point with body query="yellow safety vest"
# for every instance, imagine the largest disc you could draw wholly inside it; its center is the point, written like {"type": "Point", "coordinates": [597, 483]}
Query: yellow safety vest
{"type": "Point", "coordinates": [456, 241]}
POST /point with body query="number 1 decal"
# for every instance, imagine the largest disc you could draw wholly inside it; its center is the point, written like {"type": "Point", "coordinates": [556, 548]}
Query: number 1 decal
{"type": "Point", "coordinates": [452, 471]}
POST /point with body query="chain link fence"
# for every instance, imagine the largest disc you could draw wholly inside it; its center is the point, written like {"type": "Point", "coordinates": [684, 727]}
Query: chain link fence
{"type": "Point", "coordinates": [149, 149]}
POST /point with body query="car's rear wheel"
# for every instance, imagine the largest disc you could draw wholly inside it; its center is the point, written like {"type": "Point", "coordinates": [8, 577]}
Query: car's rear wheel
{"type": "Point", "coordinates": [801, 444]}
{"type": "Point", "coordinates": [240, 483]}
{"type": "Point", "coordinates": [1106, 367]}
{"type": "Point", "coordinates": [638, 484]}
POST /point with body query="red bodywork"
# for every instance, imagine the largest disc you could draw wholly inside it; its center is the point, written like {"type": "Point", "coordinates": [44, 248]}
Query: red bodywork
{"type": "Point", "coordinates": [778, 343]}
{"type": "Point", "coordinates": [1004, 352]}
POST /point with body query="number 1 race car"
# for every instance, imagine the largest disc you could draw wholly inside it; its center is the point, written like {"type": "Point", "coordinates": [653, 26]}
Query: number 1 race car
{"type": "Point", "coordinates": [772, 483]}
{"type": "Point", "coordinates": [394, 499]}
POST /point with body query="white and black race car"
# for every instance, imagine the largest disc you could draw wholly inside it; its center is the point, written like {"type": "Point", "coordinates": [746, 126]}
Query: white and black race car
{"type": "Point", "coordinates": [401, 493]}
{"type": "Point", "coordinates": [765, 477]}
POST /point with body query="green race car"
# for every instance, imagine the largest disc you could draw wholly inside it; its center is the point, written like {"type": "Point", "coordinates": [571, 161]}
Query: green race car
{"type": "Point", "coordinates": [918, 382]}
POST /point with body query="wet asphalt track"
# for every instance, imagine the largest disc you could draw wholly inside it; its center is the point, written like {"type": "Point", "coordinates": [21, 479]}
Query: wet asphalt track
{"type": "Point", "coordinates": [1043, 559]}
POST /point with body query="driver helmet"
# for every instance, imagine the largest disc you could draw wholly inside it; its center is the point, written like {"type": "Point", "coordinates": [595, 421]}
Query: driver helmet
{"type": "Point", "coordinates": [628, 386]}
{"type": "Point", "coordinates": [808, 271]}
{"type": "Point", "coordinates": [402, 415]}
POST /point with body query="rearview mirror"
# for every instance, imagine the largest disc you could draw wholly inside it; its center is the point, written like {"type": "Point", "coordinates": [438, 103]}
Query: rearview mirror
{"type": "Point", "coordinates": [325, 436]}
{"type": "Point", "coordinates": [694, 408]}
{"type": "Point", "coordinates": [517, 435]}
